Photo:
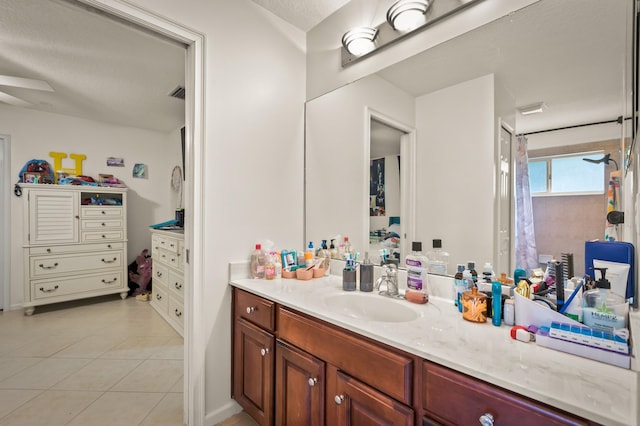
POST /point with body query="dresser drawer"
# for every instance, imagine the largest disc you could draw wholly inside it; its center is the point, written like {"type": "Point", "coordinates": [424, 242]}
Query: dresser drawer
{"type": "Point", "coordinates": [176, 283]}
{"type": "Point", "coordinates": [181, 254]}
{"type": "Point", "coordinates": [167, 243]}
{"type": "Point", "coordinates": [454, 398]}
{"type": "Point", "coordinates": [255, 309]}
{"type": "Point", "coordinates": [44, 266]}
{"type": "Point", "coordinates": [49, 288]}
{"type": "Point", "coordinates": [92, 225]}
{"type": "Point", "coordinates": [160, 297]}
{"type": "Point", "coordinates": [176, 311]}
{"type": "Point", "coordinates": [101, 211]}
{"type": "Point", "coordinates": [166, 257]}
{"type": "Point", "coordinates": [95, 236]}
{"type": "Point", "coordinates": [160, 273]}
{"type": "Point", "coordinates": [77, 248]}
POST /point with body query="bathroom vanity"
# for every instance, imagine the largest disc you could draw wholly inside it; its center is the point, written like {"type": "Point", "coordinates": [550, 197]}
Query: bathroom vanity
{"type": "Point", "coordinates": [306, 353]}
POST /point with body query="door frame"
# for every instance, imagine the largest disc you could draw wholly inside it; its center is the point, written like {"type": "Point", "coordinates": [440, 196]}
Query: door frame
{"type": "Point", "coordinates": [194, 341]}
{"type": "Point", "coordinates": [5, 223]}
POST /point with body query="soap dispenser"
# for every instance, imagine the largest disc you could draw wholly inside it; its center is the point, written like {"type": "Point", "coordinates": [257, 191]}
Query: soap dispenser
{"type": "Point", "coordinates": [603, 309]}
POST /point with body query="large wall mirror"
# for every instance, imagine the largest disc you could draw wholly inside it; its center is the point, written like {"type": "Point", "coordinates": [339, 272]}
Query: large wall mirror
{"type": "Point", "coordinates": [460, 101]}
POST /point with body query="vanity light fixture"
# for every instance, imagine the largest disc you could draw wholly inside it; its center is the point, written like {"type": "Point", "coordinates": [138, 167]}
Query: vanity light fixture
{"type": "Point", "coordinates": [359, 41]}
{"type": "Point", "coordinates": [407, 15]}
{"type": "Point", "coordinates": [533, 108]}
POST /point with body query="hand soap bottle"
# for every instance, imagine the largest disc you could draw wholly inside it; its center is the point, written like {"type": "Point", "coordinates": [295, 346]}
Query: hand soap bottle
{"type": "Point", "coordinates": [603, 309]}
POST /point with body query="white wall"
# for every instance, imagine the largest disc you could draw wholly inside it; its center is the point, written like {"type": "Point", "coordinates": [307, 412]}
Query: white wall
{"type": "Point", "coordinates": [337, 167]}
{"type": "Point", "coordinates": [34, 134]}
{"type": "Point", "coordinates": [253, 184]}
{"type": "Point", "coordinates": [324, 70]}
{"type": "Point", "coordinates": [455, 174]}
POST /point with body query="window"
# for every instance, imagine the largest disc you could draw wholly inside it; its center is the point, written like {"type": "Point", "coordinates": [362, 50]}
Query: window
{"type": "Point", "coordinates": [566, 174]}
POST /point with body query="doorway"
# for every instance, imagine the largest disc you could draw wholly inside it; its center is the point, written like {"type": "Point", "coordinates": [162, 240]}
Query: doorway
{"type": "Point", "coordinates": [5, 222]}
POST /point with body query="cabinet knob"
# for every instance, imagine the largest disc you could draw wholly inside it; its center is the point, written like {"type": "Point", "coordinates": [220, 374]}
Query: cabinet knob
{"type": "Point", "coordinates": [178, 313]}
{"type": "Point", "coordinates": [77, 217]}
{"type": "Point", "coordinates": [486, 419]}
{"type": "Point", "coordinates": [158, 274]}
{"type": "Point", "coordinates": [339, 399]}
{"type": "Point", "coordinates": [250, 309]}
{"type": "Point", "coordinates": [103, 212]}
{"type": "Point", "coordinates": [178, 286]}
{"type": "Point", "coordinates": [103, 224]}
{"type": "Point", "coordinates": [312, 381]}
{"type": "Point", "coordinates": [48, 250]}
{"type": "Point", "coordinates": [264, 351]}
{"type": "Point", "coordinates": [158, 297]}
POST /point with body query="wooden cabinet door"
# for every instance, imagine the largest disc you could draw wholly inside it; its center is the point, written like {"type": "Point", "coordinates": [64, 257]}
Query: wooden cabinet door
{"type": "Point", "coordinates": [360, 405]}
{"type": "Point", "coordinates": [300, 380]}
{"type": "Point", "coordinates": [53, 216]}
{"type": "Point", "coordinates": [253, 370]}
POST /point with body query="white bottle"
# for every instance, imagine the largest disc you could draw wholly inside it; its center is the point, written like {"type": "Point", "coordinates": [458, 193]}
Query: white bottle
{"type": "Point", "coordinates": [416, 263]}
{"type": "Point", "coordinates": [438, 259]}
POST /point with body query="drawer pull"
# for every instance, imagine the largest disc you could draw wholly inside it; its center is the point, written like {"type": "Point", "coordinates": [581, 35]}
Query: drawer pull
{"type": "Point", "coordinates": [103, 212]}
{"type": "Point", "coordinates": [158, 296]}
{"type": "Point", "coordinates": [49, 290]}
{"type": "Point", "coordinates": [103, 224]}
{"type": "Point", "coordinates": [178, 286]}
{"type": "Point", "coordinates": [104, 236]}
{"type": "Point", "coordinates": [250, 309]}
{"type": "Point", "coordinates": [158, 274]}
{"type": "Point", "coordinates": [312, 381]}
{"type": "Point", "coordinates": [264, 351]}
{"type": "Point", "coordinates": [172, 245]}
{"type": "Point", "coordinates": [486, 419]}
{"type": "Point", "coordinates": [108, 245]}
{"type": "Point", "coordinates": [339, 399]}
{"type": "Point", "coordinates": [178, 313]}
{"type": "Point", "coordinates": [110, 261]}
{"type": "Point", "coordinates": [55, 265]}
{"type": "Point", "coordinates": [48, 250]}
{"type": "Point", "coordinates": [109, 282]}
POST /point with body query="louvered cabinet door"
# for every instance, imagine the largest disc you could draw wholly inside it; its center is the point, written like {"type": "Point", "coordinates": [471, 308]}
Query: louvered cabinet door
{"type": "Point", "coordinates": [53, 217]}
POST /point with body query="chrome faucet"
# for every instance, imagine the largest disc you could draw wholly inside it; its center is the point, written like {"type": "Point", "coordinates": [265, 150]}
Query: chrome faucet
{"type": "Point", "coordinates": [389, 280]}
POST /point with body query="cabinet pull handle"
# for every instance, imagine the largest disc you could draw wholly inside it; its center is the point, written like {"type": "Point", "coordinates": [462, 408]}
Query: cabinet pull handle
{"type": "Point", "coordinates": [486, 419]}
{"type": "Point", "coordinates": [110, 282]}
{"type": "Point", "coordinates": [339, 399]}
{"type": "Point", "coordinates": [158, 297]}
{"type": "Point", "coordinates": [178, 313]}
{"type": "Point", "coordinates": [178, 286]}
{"type": "Point", "coordinates": [264, 351]}
{"type": "Point", "coordinates": [104, 236]}
{"type": "Point", "coordinates": [110, 261]}
{"type": "Point", "coordinates": [55, 265]}
{"type": "Point", "coordinates": [312, 381]}
{"type": "Point", "coordinates": [103, 212]}
{"type": "Point", "coordinates": [49, 290]}
{"type": "Point", "coordinates": [250, 309]}
{"type": "Point", "coordinates": [48, 250]}
{"type": "Point", "coordinates": [77, 217]}
{"type": "Point", "coordinates": [108, 245]}
{"type": "Point", "coordinates": [158, 274]}
{"type": "Point", "coordinates": [103, 224]}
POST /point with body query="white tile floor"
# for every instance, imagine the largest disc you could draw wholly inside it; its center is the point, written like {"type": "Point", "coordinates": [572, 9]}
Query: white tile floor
{"type": "Point", "coordinates": [101, 361]}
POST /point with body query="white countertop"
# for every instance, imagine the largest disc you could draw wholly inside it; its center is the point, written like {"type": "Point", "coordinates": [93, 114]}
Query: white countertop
{"type": "Point", "coordinates": [590, 389]}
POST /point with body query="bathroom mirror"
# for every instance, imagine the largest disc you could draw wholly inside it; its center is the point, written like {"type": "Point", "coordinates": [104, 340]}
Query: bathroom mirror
{"type": "Point", "coordinates": [460, 99]}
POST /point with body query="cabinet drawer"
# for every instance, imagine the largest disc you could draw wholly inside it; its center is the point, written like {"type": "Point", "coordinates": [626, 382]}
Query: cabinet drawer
{"type": "Point", "coordinates": [160, 273]}
{"type": "Point", "coordinates": [101, 211]}
{"type": "Point", "coordinates": [181, 254]}
{"type": "Point", "coordinates": [176, 283]}
{"type": "Point", "coordinates": [43, 266]}
{"type": "Point", "coordinates": [76, 248]}
{"type": "Point", "coordinates": [167, 243]}
{"type": "Point", "coordinates": [255, 309]}
{"type": "Point", "coordinates": [92, 225]}
{"type": "Point", "coordinates": [166, 257]}
{"type": "Point", "coordinates": [382, 368]}
{"type": "Point", "coordinates": [454, 398]}
{"type": "Point", "coordinates": [43, 289]}
{"type": "Point", "coordinates": [176, 311]}
{"type": "Point", "coordinates": [106, 235]}
{"type": "Point", "coordinates": [160, 297]}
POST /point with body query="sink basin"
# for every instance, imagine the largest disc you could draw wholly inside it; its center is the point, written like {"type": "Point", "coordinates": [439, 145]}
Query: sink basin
{"type": "Point", "coordinates": [371, 307]}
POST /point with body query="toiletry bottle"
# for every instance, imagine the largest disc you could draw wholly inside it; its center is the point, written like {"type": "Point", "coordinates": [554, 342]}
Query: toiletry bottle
{"type": "Point", "coordinates": [278, 259]}
{"type": "Point", "coordinates": [309, 255]}
{"type": "Point", "coordinates": [474, 306]}
{"type": "Point", "coordinates": [416, 264]}
{"type": "Point", "coordinates": [459, 286]}
{"type": "Point", "coordinates": [347, 249]}
{"type": "Point", "coordinates": [323, 253]}
{"type": "Point", "coordinates": [496, 301]}
{"type": "Point", "coordinates": [438, 259]}
{"type": "Point", "coordinates": [333, 251]}
{"type": "Point", "coordinates": [487, 273]}
{"type": "Point", "coordinates": [270, 266]}
{"type": "Point", "coordinates": [257, 262]}
{"type": "Point", "coordinates": [366, 274]}
{"type": "Point", "coordinates": [471, 265]}
{"type": "Point", "coordinates": [603, 309]}
{"type": "Point", "coordinates": [509, 312]}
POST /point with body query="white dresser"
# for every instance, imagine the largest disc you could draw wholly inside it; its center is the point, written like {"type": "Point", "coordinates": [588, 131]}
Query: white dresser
{"type": "Point", "coordinates": [167, 252]}
{"type": "Point", "coordinates": [74, 243]}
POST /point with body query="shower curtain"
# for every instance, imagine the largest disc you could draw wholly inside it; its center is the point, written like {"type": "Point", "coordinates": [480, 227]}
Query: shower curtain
{"type": "Point", "coordinates": [526, 252]}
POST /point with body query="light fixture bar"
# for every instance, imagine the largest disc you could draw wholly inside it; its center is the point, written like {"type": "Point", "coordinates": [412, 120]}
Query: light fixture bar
{"type": "Point", "coordinates": [407, 15]}
{"type": "Point", "coordinates": [360, 41]}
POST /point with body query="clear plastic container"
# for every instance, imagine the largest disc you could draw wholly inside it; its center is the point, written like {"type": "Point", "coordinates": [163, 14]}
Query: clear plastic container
{"type": "Point", "coordinates": [258, 262]}
{"type": "Point", "coordinates": [438, 259]}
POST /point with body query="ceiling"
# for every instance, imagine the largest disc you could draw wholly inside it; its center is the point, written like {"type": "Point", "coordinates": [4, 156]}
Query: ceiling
{"type": "Point", "coordinates": [566, 53]}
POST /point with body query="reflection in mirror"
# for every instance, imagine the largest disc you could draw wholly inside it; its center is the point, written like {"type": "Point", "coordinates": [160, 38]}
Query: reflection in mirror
{"type": "Point", "coordinates": [460, 96]}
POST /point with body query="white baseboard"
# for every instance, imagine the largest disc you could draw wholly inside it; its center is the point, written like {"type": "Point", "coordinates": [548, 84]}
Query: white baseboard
{"type": "Point", "coordinates": [229, 409]}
